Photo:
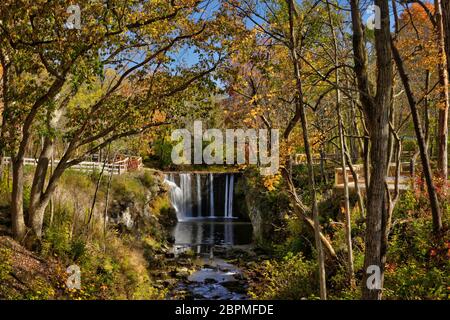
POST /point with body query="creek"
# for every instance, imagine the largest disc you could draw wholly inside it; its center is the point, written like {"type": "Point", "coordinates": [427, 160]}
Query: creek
{"type": "Point", "coordinates": [210, 225]}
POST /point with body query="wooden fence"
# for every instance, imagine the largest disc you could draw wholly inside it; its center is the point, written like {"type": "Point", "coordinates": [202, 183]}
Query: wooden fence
{"type": "Point", "coordinates": [125, 164]}
{"type": "Point", "coordinates": [404, 177]}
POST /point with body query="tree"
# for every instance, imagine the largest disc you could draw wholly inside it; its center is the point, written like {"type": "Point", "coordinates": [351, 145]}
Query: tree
{"type": "Point", "coordinates": [443, 80]}
{"type": "Point", "coordinates": [420, 13]}
{"type": "Point", "coordinates": [293, 28]}
{"type": "Point", "coordinates": [45, 64]}
{"type": "Point", "coordinates": [376, 110]}
{"type": "Point", "coordinates": [342, 144]}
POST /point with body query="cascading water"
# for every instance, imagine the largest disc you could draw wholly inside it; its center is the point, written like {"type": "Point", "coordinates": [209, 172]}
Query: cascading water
{"type": "Point", "coordinates": [211, 195]}
{"type": "Point", "coordinates": [204, 205]}
{"type": "Point", "coordinates": [176, 196]}
{"type": "Point", "coordinates": [199, 195]}
{"type": "Point", "coordinates": [186, 187]}
{"type": "Point", "coordinates": [225, 205]}
{"type": "Point", "coordinates": [186, 195]}
{"type": "Point", "coordinates": [230, 197]}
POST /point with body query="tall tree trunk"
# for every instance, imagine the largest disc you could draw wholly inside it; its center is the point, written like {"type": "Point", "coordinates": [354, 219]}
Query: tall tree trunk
{"type": "Point", "coordinates": [97, 186]}
{"type": "Point", "coordinates": [426, 108]}
{"type": "Point", "coordinates": [35, 211]}
{"type": "Point", "coordinates": [434, 202]}
{"type": "Point", "coordinates": [355, 183]}
{"type": "Point", "coordinates": [445, 6]}
{"type": "Point", "coordinates": [348, 225]}
{"type": "Point", "coordinates": [443, 81]}
{"type": "Point", "coordinates": [302, 212]}
{"type": "Point", "coordinates": [105, 215]}
{"type": "Point", "coordinates": [17, 217]}
{"type": "Point", "coordinates": [376, 109]}
{"type": "Point", "coordinates": [2, 165]}
{"type": "Point", "coordinates": [300, 112]}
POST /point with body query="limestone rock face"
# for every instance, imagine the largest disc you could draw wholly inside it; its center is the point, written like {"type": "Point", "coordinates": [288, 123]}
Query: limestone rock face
{"type": "Point", "coordinates": [141, 208]}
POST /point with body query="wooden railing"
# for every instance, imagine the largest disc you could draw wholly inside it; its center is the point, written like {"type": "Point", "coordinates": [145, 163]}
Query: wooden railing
{"type": "Point", "coordinates": [128, 163]}
{"type": "Point", "coordinates": [359, 169]}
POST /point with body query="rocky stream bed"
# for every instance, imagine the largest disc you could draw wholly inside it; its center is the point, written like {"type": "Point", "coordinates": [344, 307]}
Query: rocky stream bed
{"type": "Point", "coordinates": [219, 275]}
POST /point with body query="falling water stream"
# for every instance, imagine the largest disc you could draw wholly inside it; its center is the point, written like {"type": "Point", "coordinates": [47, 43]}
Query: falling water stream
{"type": "Point", "coordinates": [208, 217]}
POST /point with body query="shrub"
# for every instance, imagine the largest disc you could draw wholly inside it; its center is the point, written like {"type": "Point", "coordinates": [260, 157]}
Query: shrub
{"type": "Point", "coordinates": [5, 263]}
{"type": "Point", "coordinates": [418, 264]}
{"type": "Point", "coordinates": [415, 281]}
{"type": "Point", "coordinates": [147, 178]}
{"type": "Point", "coordinates": [128, 188]}
{"type": "Point", "coordinates": [291, 278]}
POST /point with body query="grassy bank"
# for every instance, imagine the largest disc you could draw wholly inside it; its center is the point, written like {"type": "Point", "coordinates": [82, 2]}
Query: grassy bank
{"type": "Point", "coordinates": [113, 261]}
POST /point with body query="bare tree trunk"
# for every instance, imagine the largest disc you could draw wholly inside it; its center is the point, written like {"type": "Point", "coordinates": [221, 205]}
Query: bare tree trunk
{"type": "Point", "coordinates": [348, 225]}
{"type": "Point", "coordinates": [17, 217]}
{"type": "Point", "coordinates": [322, 166]}
{"type": "Point", "coordinates": [366, 165]}
{"type": "Point", "coordinates": [376, 110]}
{"type": "Point", "coordinates": [392, 201]}
{"type": "Point", "coordinates": [355, 182]}
{"type": "Point", "coordinates": [302, 212]}
{"type": "Point", "coordinates": [445, 6]}
{"type": "Point", "coordinates": [35, 211]}
{"type": "Point", "coordinates": [300, 111]}
{"type": "Point", "coordinates": [443, 81]}
{"type": "Point", "coordinates": [97, 186]}
{"type": "Point", "coordinates": [2, 164]}
{"type": "Point", "coordinates": [434, 202]}
{"type": "Point", "coordinates": [105, 215]}
{"type": "Point", "coordinates": [52, 205]}
{"type": "Point", "coordinates": [426, 108]}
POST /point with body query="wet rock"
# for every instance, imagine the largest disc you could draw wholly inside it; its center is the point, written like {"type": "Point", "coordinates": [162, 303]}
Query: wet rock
{"type": "Point", "coordinates": [210, 281]}
{"type": "Point", "coordinates": [235, 286]}
{"type": "Point", "coordinates": [239, 276]}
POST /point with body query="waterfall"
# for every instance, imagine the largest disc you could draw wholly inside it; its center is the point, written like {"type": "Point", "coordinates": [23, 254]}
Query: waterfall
{"type": "Point", "coordinates": [186, 187]}
{"type": "Point", "coordinates": [226, 204]}
{"type": "Point", "coordinates": [180, 196]}
{"type": "Point", "coordinates": [229, 194]}
{"type": "Point", "coordinates": [211, 195]}
{"type": "Point", "coordinates": [199, 196]}
{"type": "Point", "coordinates": [230, 197]}
{"type": "Point", "coordinates": [187, 200]}
{"type": "Point", "coordinates": [176, 196]}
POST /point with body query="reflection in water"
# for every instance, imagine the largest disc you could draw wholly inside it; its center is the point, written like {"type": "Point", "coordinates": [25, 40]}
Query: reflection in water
{"type": "Point", "coordinates": [225, 281]}
{"type": "Point", "coordinates": [209, 232]}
